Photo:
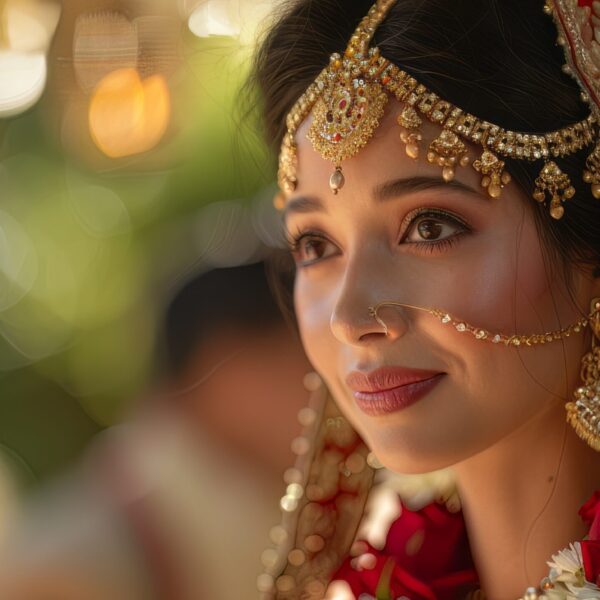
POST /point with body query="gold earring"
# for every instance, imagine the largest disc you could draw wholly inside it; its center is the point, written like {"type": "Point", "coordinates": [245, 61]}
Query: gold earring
{"type": "Point", "coordinates": [591, 174]}
{"type": "Point", "coordinates": [584, 413]}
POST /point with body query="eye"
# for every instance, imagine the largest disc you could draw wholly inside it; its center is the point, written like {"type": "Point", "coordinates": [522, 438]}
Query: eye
{"type": "Point", "coordinates": [311, 247]}
{"type": "Point", "coordinates": [430, 226]}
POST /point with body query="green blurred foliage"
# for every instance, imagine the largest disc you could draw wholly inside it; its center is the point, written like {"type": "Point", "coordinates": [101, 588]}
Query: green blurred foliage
{"type": "Point", "coordinates": [84, 252]}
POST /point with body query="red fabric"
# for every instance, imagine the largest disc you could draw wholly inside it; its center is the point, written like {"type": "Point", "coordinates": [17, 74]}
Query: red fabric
{"type": "Point", "coordinates": [590, 548]}
{"type": "Point", "coordinates": [590, 551]}
{"type": "Point", "coordinates": [585, 2]}
{"type": "Point", "coordinates": [441, 569]}
{"type": "Point", "coordinates": [590, 514]}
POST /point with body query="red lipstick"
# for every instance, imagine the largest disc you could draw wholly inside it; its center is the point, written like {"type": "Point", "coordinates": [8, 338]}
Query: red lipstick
{"type": "Point", "coordinates": [391, 389]}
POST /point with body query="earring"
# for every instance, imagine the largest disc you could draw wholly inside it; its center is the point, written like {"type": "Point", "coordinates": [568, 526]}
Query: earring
{"type": "Point", "coordinates": [591, 174]}
{"type": "Point", "coordinates": [584, 413]}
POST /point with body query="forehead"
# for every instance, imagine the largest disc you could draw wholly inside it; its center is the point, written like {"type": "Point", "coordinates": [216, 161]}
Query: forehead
{"type": "Point", "coordinates": [382, 159]}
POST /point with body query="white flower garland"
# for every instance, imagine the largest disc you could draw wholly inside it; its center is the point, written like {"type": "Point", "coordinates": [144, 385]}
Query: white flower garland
{"type": "Point", "coordinates": [566, 579]}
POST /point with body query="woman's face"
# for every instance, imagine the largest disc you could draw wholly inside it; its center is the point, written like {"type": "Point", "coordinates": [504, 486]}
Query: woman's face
{"type": "Point", "coordinates": [398, 232]}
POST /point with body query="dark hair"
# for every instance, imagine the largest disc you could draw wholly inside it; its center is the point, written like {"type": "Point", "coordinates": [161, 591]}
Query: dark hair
{"type": "Point", "coordinates": [237, 297]}
{"type": "Point", "coordinates": [497, 59]}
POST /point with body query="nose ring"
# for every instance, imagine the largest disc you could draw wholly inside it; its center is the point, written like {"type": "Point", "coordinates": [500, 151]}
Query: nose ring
{"type": "Point", "coordinates": [373, 311]}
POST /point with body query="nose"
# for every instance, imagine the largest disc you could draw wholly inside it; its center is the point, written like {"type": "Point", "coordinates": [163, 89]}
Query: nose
{"type": "Point", "coordinates": [352, 319]}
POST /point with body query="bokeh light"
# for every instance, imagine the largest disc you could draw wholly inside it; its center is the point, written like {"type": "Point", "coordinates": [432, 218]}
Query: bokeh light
{"type": "Point", "coordinates": [127, 115]}
{"type": "Point", "coordinates": [128, 166]}
{"type": "Point", "coordinates": [27, 27]}
{"type": "Point", "coordinates": [134, 168]}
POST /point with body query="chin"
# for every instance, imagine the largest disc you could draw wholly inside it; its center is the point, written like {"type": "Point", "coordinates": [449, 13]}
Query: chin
{"type": "Point", "coordinates": [414, 454]}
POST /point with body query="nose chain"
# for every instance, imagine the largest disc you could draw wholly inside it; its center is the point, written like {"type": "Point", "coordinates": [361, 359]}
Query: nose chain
{"type": "Point", "coordinates": [483, 334]}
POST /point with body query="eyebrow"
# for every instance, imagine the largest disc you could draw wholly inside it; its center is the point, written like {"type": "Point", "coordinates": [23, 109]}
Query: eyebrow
{"type": "Point", "coordinates": [385, 191]}
{"type": "Point", "coordinates": [401, 187]}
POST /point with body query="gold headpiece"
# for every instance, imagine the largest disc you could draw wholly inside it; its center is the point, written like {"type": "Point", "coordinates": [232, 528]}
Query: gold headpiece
{"type": "Point", "coordinates": [348, 99]}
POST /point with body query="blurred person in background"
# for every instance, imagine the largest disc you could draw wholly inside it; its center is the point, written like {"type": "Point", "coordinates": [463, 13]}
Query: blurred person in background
{"type": "Point", "coordinates": [163, 505]}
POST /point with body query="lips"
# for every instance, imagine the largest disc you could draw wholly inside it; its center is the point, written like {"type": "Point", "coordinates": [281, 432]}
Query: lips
{"type": "Point", "coordinates": [391, 389]}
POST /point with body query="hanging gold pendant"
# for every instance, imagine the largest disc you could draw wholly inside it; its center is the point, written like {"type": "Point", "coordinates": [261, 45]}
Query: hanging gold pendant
{"type": "Point", "coordinates": [494, 176]}
{"type": "Point", "coordinates": [448, 151]}
{"type": "Point", "coordinates": [584, 413]}
{"type": "Point", "coordinates": [346, 115]}
{"type": "Point", "coordinates": [337, 180]}
{"type": "Point", "coordinates": [557, 185]}
{"type": "Point", "coordinates": [591, 174]}
{"type": "Point", "coordinates": [410, 134]}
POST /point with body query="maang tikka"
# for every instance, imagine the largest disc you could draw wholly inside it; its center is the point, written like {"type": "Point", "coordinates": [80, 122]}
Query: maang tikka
{"type": "Point", "coordinates": [583, 413]}
{"type": "Point", "coordinates": [348, 100]}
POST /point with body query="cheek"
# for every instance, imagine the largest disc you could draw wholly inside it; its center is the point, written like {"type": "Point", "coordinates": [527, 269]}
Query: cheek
{"type": "Point", "coordinates": [506, 288]}
{"type": "Point", "coordinates": [501, 282]}
{"type": "Point", "coordinates": [313, 311]}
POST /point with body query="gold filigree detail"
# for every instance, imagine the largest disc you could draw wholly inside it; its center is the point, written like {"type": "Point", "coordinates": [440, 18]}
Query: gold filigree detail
{"type": "Point", "coordinates": [494, 176]}
{"type": "Point", "coordinates": [591, 174]}
{"type": "Point", "coordinates": [362, 78]}
{"type": "Point", "coordinates": [410, 125]}
{"type": "Point", "coordinates": [344, 119]}
{"type": "Point", "coordinates": [584, 412]}
{"type": "Point", "coordinates": [448, 151]}
{"type": "Point", "coordinates": [557, 185]}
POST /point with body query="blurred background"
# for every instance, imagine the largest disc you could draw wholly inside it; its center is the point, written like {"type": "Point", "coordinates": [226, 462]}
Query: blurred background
{"type": "Point", "coordinates": [125, 169]}
{"type": "Point", "coordinates": [129, 169]}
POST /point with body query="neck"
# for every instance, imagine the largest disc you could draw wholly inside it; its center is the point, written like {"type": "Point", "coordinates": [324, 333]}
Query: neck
{"type": "Point", "coordinates": [520, 500]}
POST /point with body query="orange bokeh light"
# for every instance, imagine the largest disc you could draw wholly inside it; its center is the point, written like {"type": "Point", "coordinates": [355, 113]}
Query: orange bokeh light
{"type": "Point", "coordinates": [128, 115]}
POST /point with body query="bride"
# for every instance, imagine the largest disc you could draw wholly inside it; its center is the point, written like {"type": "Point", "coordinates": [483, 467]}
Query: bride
{"type": "Point", "coordinates": [439, 181]}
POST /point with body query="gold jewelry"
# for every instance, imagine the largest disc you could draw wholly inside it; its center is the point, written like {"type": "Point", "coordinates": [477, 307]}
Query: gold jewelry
{"type": "Point", "coordinates": [556, 184]}
{"type": "Point", "coordinates": [410, 124]}
{"type": "Point", "coordinates": [584, 413]}
{"type": "Point", "coordinates": [495, 338]}
{"type": "Point", "coordinates": [348, 99]}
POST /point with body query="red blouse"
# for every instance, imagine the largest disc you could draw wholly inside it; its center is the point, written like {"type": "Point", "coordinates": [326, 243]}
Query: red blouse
{"type": "Point", "coordinates": [427, 556]}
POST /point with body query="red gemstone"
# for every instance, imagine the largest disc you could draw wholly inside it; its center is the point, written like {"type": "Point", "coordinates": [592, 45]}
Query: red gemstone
{"type": "Point", "coordinates": [342, 104]}
{"type": "Point", "coordinates": [337, 137]}
{"type": "Point", "coordinates": [386, 79]}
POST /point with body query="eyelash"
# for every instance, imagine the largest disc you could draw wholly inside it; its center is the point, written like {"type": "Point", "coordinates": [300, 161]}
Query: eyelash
{"type": "Point", "coordinates": [439, 215]}
{"type": "Point", "coordinates": [294, 240]}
